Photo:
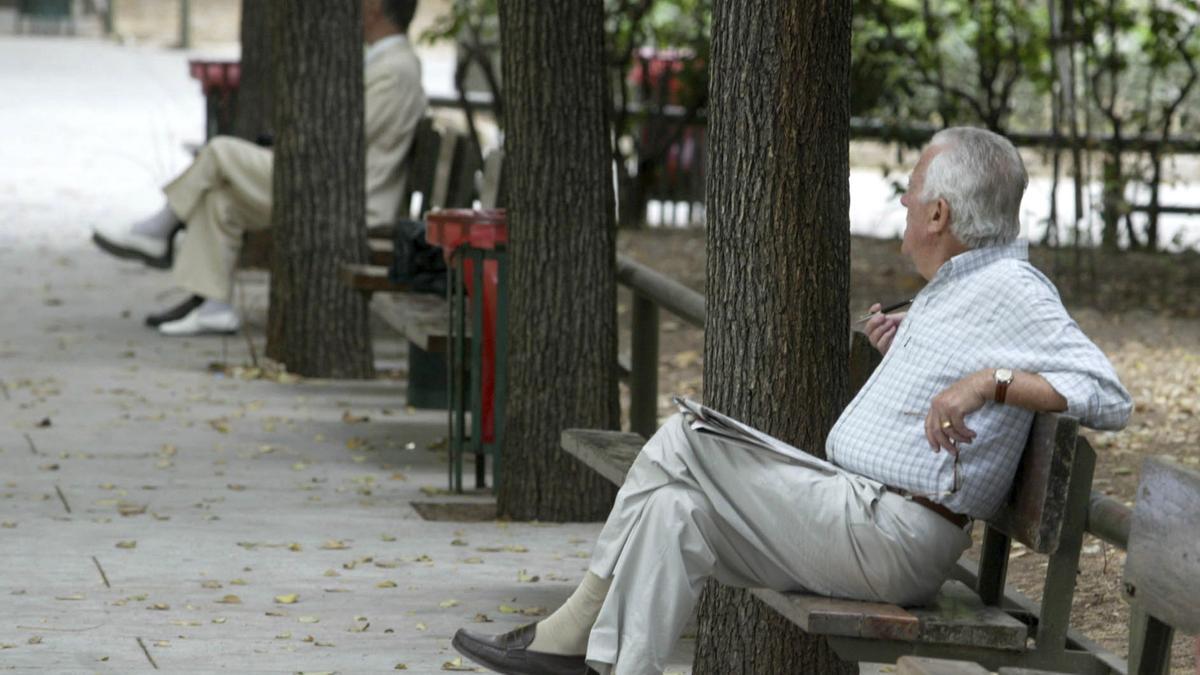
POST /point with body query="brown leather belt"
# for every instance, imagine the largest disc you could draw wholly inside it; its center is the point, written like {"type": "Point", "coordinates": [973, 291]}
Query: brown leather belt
{"type": "Point", "coordinates": [958, 519]}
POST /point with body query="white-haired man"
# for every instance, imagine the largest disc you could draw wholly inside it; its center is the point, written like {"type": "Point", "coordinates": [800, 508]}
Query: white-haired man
{"type": "Point", "coordinates": [985, 344]}
{"type": "Point", "coordinates": [227, 190]}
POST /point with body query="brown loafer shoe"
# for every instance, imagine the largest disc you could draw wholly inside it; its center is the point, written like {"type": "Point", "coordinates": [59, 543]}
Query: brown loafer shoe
{"type": "Point", "coordinates": [509, 653]}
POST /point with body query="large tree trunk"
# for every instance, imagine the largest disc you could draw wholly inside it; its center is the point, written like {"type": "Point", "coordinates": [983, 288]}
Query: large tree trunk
{"type": "Point", "coordinates": [562, 277]}
{"type": "Point", "coordinates": [776, 342]}
{"type": "Point", "coordinates": [252, 118]}
{"type": "Point", "coordinates": [318, 326]}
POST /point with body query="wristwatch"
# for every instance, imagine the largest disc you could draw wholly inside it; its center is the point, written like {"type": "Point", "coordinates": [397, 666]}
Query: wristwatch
{"type": "Point", "coordinates": [1003, 377]}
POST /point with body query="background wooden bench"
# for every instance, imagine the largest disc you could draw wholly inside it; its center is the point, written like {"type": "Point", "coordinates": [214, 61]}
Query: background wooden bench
{"type": "Point", "coordinates": [972, 619]}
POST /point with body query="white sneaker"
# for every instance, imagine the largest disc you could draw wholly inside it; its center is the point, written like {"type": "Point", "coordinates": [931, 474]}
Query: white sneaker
{"type": "Point", "coordinates": [221, 322]}
{"type": "Point", "coordinates": [123, 242]}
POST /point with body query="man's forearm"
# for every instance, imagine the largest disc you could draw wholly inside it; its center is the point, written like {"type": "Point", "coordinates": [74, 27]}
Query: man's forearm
{"type": "Point", "coordinates": [1028, 390]}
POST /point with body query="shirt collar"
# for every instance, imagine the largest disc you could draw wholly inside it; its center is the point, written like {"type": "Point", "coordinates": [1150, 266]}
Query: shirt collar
{"type": "Point", "coordinates": [968, 261]}
{"type": "Point", "coordinates": [383, 44]}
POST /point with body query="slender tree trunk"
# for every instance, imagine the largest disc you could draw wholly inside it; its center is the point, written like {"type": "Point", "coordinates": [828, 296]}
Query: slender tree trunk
{"type": "Point", "coordinates": [562, 247]}
{"type": "Point", "coordinates": [252, 117]}
{"type": "Point", "coordinates": [252, 111]}
{"type": "Point", "coordinates": [318, 326]}
{"type": "Point", "coordinates": [776, 342]}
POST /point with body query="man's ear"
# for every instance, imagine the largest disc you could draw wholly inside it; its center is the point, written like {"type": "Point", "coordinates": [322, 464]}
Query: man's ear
{"type": "Point", "coordinates": [939, 220]}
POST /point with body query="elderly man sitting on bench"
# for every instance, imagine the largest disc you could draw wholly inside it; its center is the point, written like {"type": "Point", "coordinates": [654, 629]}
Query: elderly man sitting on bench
{"type": "Point", "coordinates": [932, 440]}
{"type": "Point", "coordinates": [227, 190]}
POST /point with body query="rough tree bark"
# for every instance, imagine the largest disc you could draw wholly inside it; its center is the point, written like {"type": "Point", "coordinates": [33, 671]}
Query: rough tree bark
{"type": "Point", "coordinates": [562, 278]}
{"type": "Point", "coordinates": [318, 326]}
{"type": "Point", "coordinates": [776, 341]}
{"type": "Point", "coordinates": [253, 114]}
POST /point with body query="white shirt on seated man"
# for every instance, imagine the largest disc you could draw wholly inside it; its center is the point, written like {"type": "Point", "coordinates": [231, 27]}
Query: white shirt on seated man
{"type": "Point", "coordinates": [227, 189]}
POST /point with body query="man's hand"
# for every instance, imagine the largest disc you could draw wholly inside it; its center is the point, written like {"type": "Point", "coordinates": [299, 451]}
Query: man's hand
{"type": "Point", "coordinates": [881, 328]}
{"type": "Point", "coordinates": [944, 425]}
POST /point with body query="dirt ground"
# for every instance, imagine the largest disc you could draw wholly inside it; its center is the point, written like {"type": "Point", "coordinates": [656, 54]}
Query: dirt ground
{"type": "Point", "coordinates": [1139, 308]}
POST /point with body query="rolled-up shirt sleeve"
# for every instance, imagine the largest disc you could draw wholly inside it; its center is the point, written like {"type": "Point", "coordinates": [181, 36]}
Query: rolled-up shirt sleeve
{"type": "Point", "coordinates": [1060, 352]}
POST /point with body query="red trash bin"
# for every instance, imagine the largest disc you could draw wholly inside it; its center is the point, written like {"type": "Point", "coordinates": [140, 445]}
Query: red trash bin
{"type": "Point", "coordinates": [483, 230]}
{"type": "Point", "coordinates": [219, 80]}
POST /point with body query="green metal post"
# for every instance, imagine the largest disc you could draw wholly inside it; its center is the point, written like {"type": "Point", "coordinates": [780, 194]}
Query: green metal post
{"type": "Point", "coordinates": [477, 443]}
{"type": "Point", "coordinates": [500, 397]}
{"type": "Point", "coordinates": [643, 376]}
{"type": "Point", "coordinates": [993, 566]}
{"type": "Point", "coordinates": [458, 329]}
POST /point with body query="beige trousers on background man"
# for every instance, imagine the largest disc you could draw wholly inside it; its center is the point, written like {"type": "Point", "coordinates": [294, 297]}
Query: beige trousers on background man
{"type": "Point", "coordinates": [693, 506]}
{"type": "Point", "coordinates": [225, 192]}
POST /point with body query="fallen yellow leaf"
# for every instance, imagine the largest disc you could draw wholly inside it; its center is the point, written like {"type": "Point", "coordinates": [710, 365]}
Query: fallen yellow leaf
{"type": "Point", "coordinates": [289, 599]}
{"type": "Point", "coordinates": [334, 545]}
{"type": "Point", "coordinates": [447, 604]}
{"type": "Point", "coordinates": [456, 664]}
{"type": "Point", "coordinates": [127, 544]}
{"type": "Point", "coordinates": [386, 584]}
{"type": "Point", "coordinates": [230, 600]}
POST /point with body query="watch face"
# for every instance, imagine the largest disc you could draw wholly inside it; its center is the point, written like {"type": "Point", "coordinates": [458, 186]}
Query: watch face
{"type": "Point", "coordinates": [1004, 375]}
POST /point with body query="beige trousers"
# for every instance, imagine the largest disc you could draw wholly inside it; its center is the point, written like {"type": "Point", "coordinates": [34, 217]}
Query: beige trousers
{"type": "Point", "coordinates": [694, 507]}
{"type": "Point", "coordinates": [223, 194]}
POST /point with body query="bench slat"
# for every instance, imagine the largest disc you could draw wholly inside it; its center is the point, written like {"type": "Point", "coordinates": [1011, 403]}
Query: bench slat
{"type": "Point", "coordinates": [819, 615]}
{"type": "Point", "coordinates": [959, 617]}
{"type": "Point", "coordinates": [370, 278]}
{"type": "Point", "coordinates": [1034, 512]}
{"type": "Point", "coordinates": [610, 453]}
{"type": "Point", "coordinates": [923, 665]}
{"type": "Point", "coordinates": [422, 318]}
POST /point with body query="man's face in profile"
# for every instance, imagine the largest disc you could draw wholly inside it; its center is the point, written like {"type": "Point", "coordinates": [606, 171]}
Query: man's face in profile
{"type": "Point", "coordinates": [917, 210]}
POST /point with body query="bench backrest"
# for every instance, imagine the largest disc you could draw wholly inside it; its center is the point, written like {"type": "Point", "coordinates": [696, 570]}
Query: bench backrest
{"type": "Point", "coordinates": [464, 164]}
{"type": "Point", "coordinates": [422, 164]}
{"type": "Point", "coordinates": [1162, 567]}
{"type": "Point", "coordinates": [1036, 508]}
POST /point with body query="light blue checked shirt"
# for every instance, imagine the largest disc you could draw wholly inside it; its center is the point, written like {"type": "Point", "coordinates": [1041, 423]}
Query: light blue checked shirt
{"type": "Point", "coordinates": [985, 308]}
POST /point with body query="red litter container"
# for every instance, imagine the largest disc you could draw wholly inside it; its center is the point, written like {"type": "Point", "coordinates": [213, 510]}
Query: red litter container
{"type": "Point", "coordinates": [485, 229]}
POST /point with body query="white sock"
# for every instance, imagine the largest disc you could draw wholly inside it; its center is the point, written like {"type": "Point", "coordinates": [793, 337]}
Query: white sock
{"type": "Point", "coordinates": [159, 226]}
{"type": "Point", "coordinates": [566, 631]}
{"type": "Point", "coordinates": [211, 306]}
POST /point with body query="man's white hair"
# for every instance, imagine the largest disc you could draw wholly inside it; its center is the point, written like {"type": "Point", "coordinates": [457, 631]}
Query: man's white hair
{"type": "Point", "coordinates": [981, 175]}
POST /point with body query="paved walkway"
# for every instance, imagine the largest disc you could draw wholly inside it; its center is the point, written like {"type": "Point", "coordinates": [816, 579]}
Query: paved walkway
{"type": "Point", "coordinates": [159, 515]}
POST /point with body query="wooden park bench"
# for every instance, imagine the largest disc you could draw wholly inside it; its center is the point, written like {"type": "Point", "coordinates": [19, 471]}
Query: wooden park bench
{"type": "Point", "coordinates": [973, 618]}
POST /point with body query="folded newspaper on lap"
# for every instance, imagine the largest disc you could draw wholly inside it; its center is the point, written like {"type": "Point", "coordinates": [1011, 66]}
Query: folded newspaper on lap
{"type": "Point", "coordinates": [709, 421]}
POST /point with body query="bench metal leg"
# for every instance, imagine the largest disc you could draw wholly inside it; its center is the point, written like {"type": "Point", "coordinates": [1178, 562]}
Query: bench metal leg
{"type": "Point", "coordinates": [993, 566]}
{"type": "Point", "coordinates": [1149, 644]}
{"type": "Point", "coordinates": [643, 371]}
{"type": "Point", "coordinates": [477, 383]}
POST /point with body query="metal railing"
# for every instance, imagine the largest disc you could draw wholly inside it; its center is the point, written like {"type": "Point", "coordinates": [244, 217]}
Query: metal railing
{"type": "Point", "coordinates": [1107, 518]}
